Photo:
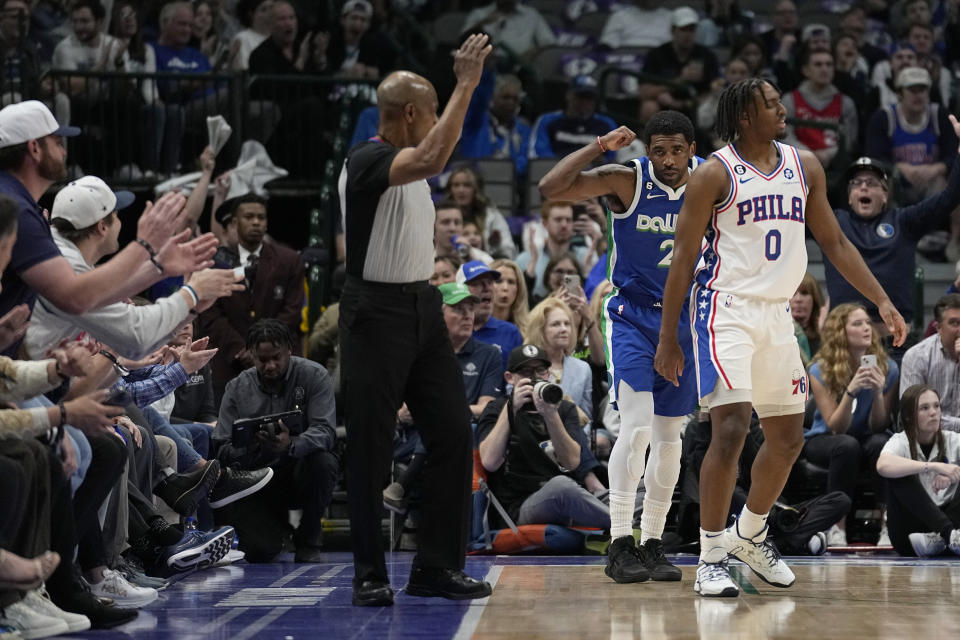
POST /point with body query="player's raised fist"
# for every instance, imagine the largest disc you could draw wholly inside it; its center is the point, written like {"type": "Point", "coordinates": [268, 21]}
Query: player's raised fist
{"type": "Point", "coordinates": [618, 138]}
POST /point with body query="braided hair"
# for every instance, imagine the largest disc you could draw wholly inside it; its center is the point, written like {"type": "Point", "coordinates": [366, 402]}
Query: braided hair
{"type": "Point", "coordinates": [736, 100]}
{"type": "Point", "coordinates": [269, 330]}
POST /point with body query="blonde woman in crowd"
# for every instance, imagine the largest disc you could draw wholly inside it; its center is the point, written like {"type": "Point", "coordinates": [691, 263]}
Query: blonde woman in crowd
{"type": "Point", "coordinates": [854, 384]}
{"type": "Point", "coordinates": [510, 294]}
{"type": "Point", "coordinates": [551, 326]}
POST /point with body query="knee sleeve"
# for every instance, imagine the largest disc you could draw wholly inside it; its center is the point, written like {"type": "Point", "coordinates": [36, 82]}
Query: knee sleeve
{"type": "Point", "coordinates": [627, 458]}
{"type": "Point", "coordinates": [665, 466]}
{"type": "Point", "coordinates": [665, 453]}
{"type": "Point", "coordinates": [636, 457]}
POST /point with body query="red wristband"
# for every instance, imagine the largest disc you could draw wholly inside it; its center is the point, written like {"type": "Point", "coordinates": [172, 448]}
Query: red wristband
{"type": "Point", "coordinates": [601, 145]}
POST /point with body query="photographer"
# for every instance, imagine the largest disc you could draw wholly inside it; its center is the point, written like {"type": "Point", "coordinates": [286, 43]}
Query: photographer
{"type": "Point", "coordinates": [298, 449]}
{"type": "Point", "coordinates": [530, 442]}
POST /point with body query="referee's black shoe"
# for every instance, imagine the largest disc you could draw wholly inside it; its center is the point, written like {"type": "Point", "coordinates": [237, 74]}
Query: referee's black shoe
{"type": "Point", "coordinates": [660, 569]}
{"type": "Point", "coordinates": [452, 584]}
{"type": "Point", "coordinates": [624, 564]}
{"type": "Point", "coordinates": [372, 593]}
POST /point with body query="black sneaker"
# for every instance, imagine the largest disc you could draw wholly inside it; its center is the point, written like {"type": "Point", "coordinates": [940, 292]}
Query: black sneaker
{"type": "Point", "coordinates": [235, 484]}
{"type": "Point", "coordinates": [660, 569]}
{"type": "Point", "coordinates": [624, 564]}
{"type": "Point", "coordinates": [184, 491]}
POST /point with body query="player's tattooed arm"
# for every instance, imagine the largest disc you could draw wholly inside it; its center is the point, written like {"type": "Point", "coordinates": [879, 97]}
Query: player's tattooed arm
{"type": "Point", "coordinates": [568, 181]}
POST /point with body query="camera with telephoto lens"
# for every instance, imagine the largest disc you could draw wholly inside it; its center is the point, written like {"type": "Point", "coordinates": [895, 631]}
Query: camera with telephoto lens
{"type": "Point", "coordinates": [548, 392]}
{"type": "Point", "coordinates": [784, 518]}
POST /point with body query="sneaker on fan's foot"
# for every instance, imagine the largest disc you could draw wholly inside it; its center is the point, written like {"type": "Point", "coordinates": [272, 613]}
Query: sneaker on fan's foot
{"type": "Point", "coordinates": [954, 543]}
{"type": "Point", "coordinates": [624, 564]}
{"type": "Point", "coordinates": [817, 544]}
{"type": "Point", "coordinates": [836, 537]}
{"type": "Point", "coordinates": [652, 556]}
{"type": "Point", "coordinates": [713, 580]}
{"type": "Point", "coordinates": [39, 601]}
{"type": "Point", "coordinates": [884, 539]}
{"type": "Point", "coordinates": [124, 594]}
{"type": "Point", "coordinates": [395, 498]}
{"type": "Point", "coordinates": [927, 544]}
{"type": "Point", "coordinates": [198, 549]}
{"type": "Point", "coordinates": [760, 555]}
{"type": "Point", "coordinates": [183, 491]}
{"type": "Point", "coordinates": [235, 484]}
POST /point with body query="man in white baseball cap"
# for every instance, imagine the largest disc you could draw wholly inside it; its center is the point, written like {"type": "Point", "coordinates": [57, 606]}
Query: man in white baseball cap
{"type": "Point", "coordinates": [86, 229]}
{"type": "Point", "coordinates": [30, 120]}
{"type": "Point", "coordinates": [32, 159]}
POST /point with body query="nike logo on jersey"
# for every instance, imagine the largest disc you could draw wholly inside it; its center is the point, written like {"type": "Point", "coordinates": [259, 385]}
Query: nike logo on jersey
{"type": "Point", "coordinates": [742, 180]}
{"type": "Point", "coordinates": [651, 196]}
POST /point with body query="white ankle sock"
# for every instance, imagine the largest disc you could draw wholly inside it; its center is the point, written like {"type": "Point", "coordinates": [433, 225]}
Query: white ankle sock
{"type": "Point", "coordinates": [749, 524]}
{"type": "Point", "coordinates": [713, 547]}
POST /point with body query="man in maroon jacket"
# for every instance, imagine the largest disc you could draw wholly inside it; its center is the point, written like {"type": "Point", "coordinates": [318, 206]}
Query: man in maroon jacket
{"type": "Point", "coordinates": [274, 278]}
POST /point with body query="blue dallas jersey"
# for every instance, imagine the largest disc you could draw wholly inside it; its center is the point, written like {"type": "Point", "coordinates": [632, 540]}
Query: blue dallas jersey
{"type": "Point", "coordinates": [641, 246]}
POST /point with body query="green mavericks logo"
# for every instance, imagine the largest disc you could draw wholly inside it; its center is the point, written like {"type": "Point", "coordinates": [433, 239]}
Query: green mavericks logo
{"type": "Point", "coordinates": [657, 224]}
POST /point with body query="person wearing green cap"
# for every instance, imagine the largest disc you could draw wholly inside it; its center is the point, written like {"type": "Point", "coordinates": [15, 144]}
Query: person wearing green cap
{"type": "Point", "coordinates": [482, 369]}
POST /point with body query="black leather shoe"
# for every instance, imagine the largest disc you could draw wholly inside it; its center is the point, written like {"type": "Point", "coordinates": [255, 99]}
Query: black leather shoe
{"type": "Point", "coordinates": [372, 593]}
{"type": "Point", "coordinates": [308, 554]}
{"type": "Point", "coordinates": [446, 583]}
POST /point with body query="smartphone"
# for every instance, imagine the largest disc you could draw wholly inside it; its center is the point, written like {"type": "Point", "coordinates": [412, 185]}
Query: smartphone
{"type": "Point", "coordinates": [869, 360]}
{"type": "Point", "coordinates": [571, 282]}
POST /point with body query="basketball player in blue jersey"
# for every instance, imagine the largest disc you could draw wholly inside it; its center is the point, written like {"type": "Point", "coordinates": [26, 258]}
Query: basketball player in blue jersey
{"type": "Point", "coordinates": [645, 197]}
{"type": "Point", "coordinates": [751, 201]}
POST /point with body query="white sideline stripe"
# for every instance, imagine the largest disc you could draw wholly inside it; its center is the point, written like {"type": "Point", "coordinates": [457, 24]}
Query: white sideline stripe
{"type": "Point", "coordinates": [296, 573]}
{"type": "Point", "coordinates": [472, 618]}
{"type": "Point", "coordinates": [260, 624]}
{"type": "Point", "coordinates": [215, 624]}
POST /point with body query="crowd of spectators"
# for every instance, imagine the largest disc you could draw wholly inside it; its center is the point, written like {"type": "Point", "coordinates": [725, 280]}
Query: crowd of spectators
{"type": "Point", "coordinates": [134, 404]}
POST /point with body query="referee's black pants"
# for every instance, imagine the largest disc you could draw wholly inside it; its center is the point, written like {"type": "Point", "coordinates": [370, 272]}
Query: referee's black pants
{"type": "Point", "coordinates": [394, 348]}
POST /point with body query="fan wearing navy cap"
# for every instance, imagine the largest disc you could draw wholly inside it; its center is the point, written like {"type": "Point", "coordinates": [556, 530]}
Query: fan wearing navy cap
{"type": "Point", "coordinates": [887, 237]}
{"type": "Point", "coordinates": [487, 329]}
{"type": "Point", "coordinates": [32, 158]}
{"type": "Point", "coordinates": [558, 133]}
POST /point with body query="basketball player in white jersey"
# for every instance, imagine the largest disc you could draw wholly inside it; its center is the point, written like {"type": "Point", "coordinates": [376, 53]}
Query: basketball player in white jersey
{"type": "Point", "coordinates": [750, 201]}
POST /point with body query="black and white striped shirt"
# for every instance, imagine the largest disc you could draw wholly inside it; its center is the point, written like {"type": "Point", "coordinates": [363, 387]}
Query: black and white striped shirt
{"type": "Point", "coordinates": [388, 230]}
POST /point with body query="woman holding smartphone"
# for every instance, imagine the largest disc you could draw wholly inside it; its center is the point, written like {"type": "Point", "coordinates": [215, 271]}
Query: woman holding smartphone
{"type": "Point", "coordinates": [854, 386]}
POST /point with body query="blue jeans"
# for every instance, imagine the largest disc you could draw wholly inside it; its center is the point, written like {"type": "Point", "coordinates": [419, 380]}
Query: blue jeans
{"type": "Point", "coordinates": [562, 501]}
{"type": "Point", "coordinates": [187, 456]}
{"type": "Point", "coordinates": [198, 434]}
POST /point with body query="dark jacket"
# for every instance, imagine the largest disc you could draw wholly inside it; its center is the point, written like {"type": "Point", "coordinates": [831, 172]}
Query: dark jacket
{"type": "Point", "coordinates": [277, 292]}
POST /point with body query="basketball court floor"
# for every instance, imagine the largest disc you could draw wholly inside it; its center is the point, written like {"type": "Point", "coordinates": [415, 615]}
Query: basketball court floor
{"type": "Point", "coordinates": [553, 597]}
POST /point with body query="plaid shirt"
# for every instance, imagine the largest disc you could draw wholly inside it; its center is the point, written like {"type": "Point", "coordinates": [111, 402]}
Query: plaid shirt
{"type": "Point", "coordinates": [149, 384]}
{"type": "Point", "coordinates": [928, 363]}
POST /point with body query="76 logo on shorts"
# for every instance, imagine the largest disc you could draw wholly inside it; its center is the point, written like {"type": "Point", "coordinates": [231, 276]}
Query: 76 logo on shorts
{"type": "Point", "coordinates": [799, 382]}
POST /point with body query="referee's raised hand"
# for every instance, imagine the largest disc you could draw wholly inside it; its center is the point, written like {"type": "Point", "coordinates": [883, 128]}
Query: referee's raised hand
{"type": "Point", "coordinates": [468, 59]}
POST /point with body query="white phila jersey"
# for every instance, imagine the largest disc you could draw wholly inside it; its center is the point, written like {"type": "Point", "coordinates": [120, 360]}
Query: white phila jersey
{"type": "Point", "coordinates": [755, 238]}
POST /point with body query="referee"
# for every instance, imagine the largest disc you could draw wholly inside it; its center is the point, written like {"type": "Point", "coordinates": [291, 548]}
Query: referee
{"type": "Point", "coordinates": [394, 346]}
